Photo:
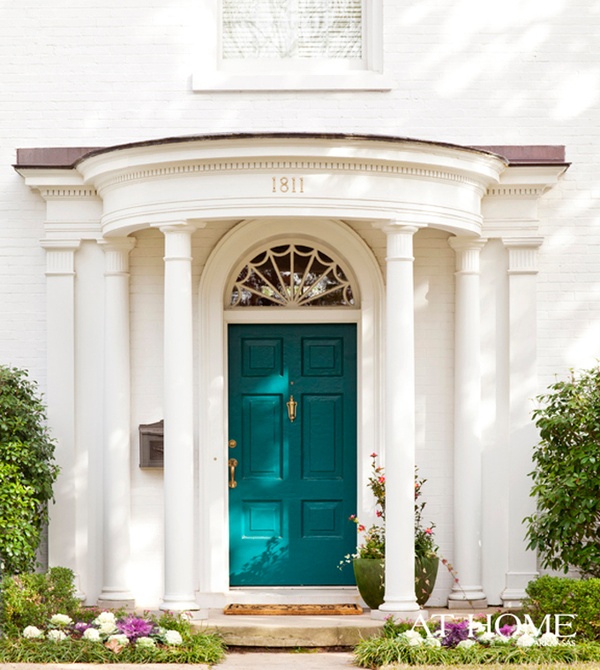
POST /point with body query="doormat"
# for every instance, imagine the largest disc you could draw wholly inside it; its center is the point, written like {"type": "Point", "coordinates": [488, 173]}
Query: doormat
{"type": "Point", "coordinates": [293, 610]}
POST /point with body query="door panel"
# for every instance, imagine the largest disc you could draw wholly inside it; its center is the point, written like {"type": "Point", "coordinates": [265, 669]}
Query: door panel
{"type": "Point", "coordinates": [263, 439]}
{"type": "Point", "coordinates": [296, 480]}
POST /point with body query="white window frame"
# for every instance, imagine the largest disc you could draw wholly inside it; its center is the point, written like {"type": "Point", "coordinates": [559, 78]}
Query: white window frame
{"type": "Point", "coordinates": [216, 74]}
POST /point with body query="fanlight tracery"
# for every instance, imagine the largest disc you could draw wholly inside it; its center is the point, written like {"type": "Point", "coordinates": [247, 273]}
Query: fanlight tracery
{"type": "Point", "coordinates": [292, 275]}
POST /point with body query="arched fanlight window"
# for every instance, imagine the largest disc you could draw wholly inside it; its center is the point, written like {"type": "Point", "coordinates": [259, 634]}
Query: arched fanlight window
{"type": "Point", "coordinates": [292, 275]}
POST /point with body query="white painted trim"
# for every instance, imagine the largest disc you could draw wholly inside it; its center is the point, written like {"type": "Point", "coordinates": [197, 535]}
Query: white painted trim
{"type": "Point", "coordinates": [214, 74]}
{"type": "Point", "coordinates": [360, 80]}
{"type": "Point", "coordinates": [212, 410]}
{"type": "Point", "coordinates": [278, 314]}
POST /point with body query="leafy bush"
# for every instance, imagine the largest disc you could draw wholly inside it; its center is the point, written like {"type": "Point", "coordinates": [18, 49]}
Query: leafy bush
{"type": "Point", "coordinates": [559, 595]}
{"type": "Point", "coordinates": [27, 470]}
{"type": "Point", "coordinates": [565, 530]}
{"type": "Point", "coordinates": [31, 599]}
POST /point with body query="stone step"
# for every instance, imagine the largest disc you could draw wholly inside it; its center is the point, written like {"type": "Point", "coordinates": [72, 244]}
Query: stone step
{"type": "Point", "coordinates": [290, 631]}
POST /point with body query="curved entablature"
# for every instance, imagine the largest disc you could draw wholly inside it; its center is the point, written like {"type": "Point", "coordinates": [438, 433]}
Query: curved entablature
{"type": "Point", "coordinates": [152, 184]}
{"type": "Point", "coordinates": [115, 191]}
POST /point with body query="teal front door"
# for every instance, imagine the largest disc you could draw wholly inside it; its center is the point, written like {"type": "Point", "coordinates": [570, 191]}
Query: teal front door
{"type": "Point", "coordinates": [292, 486]}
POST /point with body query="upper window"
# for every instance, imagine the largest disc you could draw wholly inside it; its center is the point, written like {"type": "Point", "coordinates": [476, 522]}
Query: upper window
{"type": "Point", "coordinates": [292, 29]}
{"type": "Point", "coordinates": [291, 45]}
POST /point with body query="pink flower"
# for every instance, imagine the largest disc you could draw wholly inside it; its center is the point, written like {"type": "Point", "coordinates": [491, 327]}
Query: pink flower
{"type": "Point", "coordinates": [352, 517]}
{"type": "Point", "coordinates": [381, 479]}
{"type": "Point", "coordinates": [428, 531]}
{"type": "Point", "coordinates": [379, 513]}
{"type": "Point", "coordinates": [373, 455]}
{"type": "Point", "coordinates": [361, 528]}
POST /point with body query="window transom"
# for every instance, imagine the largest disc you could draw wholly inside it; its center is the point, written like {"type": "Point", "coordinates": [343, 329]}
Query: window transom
{"type": "Point", "coordinates": [292, 275]}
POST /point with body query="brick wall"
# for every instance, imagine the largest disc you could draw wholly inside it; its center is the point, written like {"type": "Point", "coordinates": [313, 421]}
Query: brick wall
{"type": "Point", "coordinates": [89, 73]}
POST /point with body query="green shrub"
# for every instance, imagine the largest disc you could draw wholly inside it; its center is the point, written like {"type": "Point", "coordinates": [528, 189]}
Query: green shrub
{"type": "Point", "coordinates": [565, 530]}
{"type": "Point", "coordinates": [31, 599]}
{"type": "Point", "coordinates": [560, 595]}
{"type": "Point", "coordinates": [27, 470]}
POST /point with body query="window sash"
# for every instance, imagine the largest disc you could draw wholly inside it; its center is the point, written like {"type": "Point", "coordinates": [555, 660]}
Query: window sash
{"type": "Point", "coordinates": [292, 30]}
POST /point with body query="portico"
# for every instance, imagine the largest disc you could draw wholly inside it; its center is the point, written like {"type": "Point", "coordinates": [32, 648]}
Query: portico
{"type": "Point", "coordinates": [363, 201]}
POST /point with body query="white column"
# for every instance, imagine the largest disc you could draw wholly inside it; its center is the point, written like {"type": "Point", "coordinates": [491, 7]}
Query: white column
{"type": "Point", "coordinates": [117, 426]}
{"type": "Point", "coordinates": [400, 599]}
{"type": "Point", "coordinates": [60, 398]}
{"type": "Point", "coordinates": [179, 421]}
{"type": "Point", "coordinates": [467, 429]}
{"type": "Point", "coordinates": [523, 436]}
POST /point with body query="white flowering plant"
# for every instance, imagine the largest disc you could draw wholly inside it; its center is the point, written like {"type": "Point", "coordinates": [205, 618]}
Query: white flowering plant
{"type": "Point", "coordinates": [467, 633]}
{"type": "Point", "coordinates": [472, 641]}
{"type": "Point", "coordinates": [92, 636]}
{"type": "Point", "coordinates": [112, 631]}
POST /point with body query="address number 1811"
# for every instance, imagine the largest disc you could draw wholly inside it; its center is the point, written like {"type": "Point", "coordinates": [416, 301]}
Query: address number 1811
{"type": "Point", "coordinates": [288, 184]}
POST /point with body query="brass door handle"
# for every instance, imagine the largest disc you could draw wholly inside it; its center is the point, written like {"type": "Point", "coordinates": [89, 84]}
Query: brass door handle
{"type": "Point", "coordinates": [232, 466]}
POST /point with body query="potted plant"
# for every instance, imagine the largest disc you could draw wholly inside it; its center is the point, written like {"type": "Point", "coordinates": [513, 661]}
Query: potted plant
{"type": "Point", "coordinates": [369, 559]}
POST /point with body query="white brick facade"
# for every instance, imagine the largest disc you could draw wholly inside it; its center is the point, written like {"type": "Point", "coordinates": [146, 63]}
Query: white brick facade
{"type": "Point", "coordinates": [89, 74]}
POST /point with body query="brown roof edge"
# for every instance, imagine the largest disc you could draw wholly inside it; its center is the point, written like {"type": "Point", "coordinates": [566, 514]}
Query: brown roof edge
{"type": "Point", "coordinates": [67, 157]}
{"type": "Point", "coordinates": [51, 157]}
{"type": "Point", "coordinates": [529, 154]}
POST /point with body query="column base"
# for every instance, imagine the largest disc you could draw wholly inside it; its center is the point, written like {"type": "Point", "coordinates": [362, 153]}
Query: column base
{"type": "Point", "coordinates": [405, 615]}
{"type": "Point", "coordinates": [516, 583]}
{"type": "Point", "coordinates": [179, 604]}
{"type": "Point", "coordinates": [116, 600]}
{"type": "Point", "coordinates": [478, 604]}
{"type": "Point", "coordinates": [467, 598]}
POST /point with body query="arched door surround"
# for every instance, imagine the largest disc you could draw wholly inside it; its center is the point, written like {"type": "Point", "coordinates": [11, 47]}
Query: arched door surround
{"type": "Point", "coordinates": [219, 275]}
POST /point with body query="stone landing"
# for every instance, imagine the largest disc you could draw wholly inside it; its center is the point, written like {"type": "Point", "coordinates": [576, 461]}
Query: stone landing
{"type": "Point", "coordinates": [290, 631]}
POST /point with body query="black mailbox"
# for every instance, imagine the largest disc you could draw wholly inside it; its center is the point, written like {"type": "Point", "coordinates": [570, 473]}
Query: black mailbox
{"type": "Point", "coordinates": [151, 445]}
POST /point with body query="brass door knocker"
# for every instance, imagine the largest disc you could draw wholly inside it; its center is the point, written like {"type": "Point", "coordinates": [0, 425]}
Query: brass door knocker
{"type": "Point", "coordinates": [291, 407]}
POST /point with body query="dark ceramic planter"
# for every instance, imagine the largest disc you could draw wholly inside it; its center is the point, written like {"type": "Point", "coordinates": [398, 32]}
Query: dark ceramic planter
{"type": "Point", "coordinates": [370, 579]}
{"type": "Point", "coordinates": [426, 569]}
{"type": "Point", "coordinates": [369, 574]}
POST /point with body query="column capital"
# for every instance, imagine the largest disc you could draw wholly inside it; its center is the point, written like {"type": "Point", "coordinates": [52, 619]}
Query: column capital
{"type": "Point", "coordinates": [60, 257]}
{"type": "Point", "coordinates": [116, 255]}
{"type": "Point", "coordinates": [522, 254]}
{"type": "Point", "coordinates": [523, 242]}
{"type": "Point", "coordinates": [467, 253]}
{"type": "Point", "coordinates": [125, 244]}
{"type": "Point", "coordinates": [390, 226]}
{"type": "Point", "coordinates": [60, 245]}
{"type": "Point", "coordinates": [178, 241]}
{"type": "Point", "coordinates": [180, 226]}
{"type": "Point", "coordinates": [467, 243]}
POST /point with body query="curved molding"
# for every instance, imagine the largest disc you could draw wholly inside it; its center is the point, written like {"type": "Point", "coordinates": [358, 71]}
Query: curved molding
{"type": "Point", "coordinates": [241, 177]}
{"type": "Point", "coordinates": [118, 190]}
{"type": "Point", "coordinates": [304, 165]}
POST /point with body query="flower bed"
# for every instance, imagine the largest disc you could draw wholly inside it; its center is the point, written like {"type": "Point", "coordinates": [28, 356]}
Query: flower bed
{"type": "Point", "coordinates": [110, 638]}
{"type": "Point", "coordinates": [470, 642]}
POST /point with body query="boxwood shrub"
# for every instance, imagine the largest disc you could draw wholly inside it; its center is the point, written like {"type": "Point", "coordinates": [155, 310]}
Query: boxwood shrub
{"type": "Point", "coordinates": [561, 595]}
{"type": "Point", "coordinates": [31, 599]}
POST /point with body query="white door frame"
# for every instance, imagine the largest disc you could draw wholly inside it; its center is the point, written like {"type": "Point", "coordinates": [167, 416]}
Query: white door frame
{"type": "Point", "coordinates": [344, 244]}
